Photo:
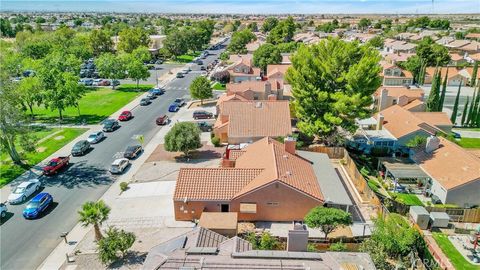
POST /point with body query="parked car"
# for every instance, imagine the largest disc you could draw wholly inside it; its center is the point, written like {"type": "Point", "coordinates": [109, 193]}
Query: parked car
{"type": "Point", "coordinates": [125, 116]}
{"type": "Point", "coordinates": [110, 125]}
{"type": "Point", "coordinates": [180, 102]}
{"type": "Point", "coordinates": [158, 91]}
{"type": "Point", "coordinates": [86, 82]}
{"type": "Point", "coordinates": [202, 115]}
{"type": "Point", "coordinates": [80, 148]}
{"type": "Point", "coordinates": [151, 95]}
{"type": "Point", "coordinates": [400, 189]}
{"type": "Point", "coordinates": [202, 68]}
{"type": "Point", "coordinates": [115, 82]}
{"type": "Point", "coordinates": [3, 210]}
{"type": "Point", "coordinates": [162, 120]}
{"type": "Point", "coordinates": [104, 83]}
{"type": "Point", "coordinates": [179, 75]}
{"type": "Point", "coordinates": [37, 205]}
{"type": "Point", "coordinates": [173, 107]}
{"type": "Point", "coordinates": [23, 191]}
{"type": "Point", "coordinates": [436, 199]}
{"type": "Point", "coordinates": [119, 165]}
{"type": "Point", "coordinates": [55, 165]}
{"type": "Point", "coordinates": [456, 135]}
{"type": "Point", "coordinates": [204, 126]}
{"type": "Point", "coordinates": [132, 151]}
{"type": "Point", "coordinates": [95, 137]}
{"type": "Point", "coordinates": [159, 62]}
{"type": "Point", "coordinates": [185, 71]}
{"type": "Point", "coordinates": [96, 82]}
{"type": "Point", "coordinates": [199, 62]}
{"type": "Point", "coordinates": [145, 102]}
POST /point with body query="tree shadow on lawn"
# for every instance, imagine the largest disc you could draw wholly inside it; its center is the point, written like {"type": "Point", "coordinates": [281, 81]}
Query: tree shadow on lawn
{"type": "Point", "coordinates": [79, 175]}
{"type": "Point", "coordinates": [133, 88]}
{"type": "Point", "coordinates": [71, 120]}
{"type": "Point", "coordinates": [198, 156]}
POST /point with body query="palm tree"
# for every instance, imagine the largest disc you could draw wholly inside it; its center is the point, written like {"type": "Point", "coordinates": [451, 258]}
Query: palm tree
{"type": "Point", "coordinates": [94, 213]}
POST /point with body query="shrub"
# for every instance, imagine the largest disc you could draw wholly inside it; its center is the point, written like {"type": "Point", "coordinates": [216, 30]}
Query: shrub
{"type": "Point", "coordinates": [114, 245]}
{"type": "Point", "coordinates": [216, 141]}
{"type": "Point", "coordinates": [339, 246]}
{"type": "Point", "coordinates": [123, 186]}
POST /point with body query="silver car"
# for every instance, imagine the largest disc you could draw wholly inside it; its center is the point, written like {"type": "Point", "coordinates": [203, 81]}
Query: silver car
{"type": "Point", "coordinates": [23, 191]}
{"type": "Point", "coordinates": [119, 165]}
{"type": "Point", "coordinates": [95, 137]}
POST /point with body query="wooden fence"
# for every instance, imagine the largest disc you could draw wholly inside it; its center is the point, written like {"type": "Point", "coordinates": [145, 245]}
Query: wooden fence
{"type": "Point", "coordinates": [458, 214]}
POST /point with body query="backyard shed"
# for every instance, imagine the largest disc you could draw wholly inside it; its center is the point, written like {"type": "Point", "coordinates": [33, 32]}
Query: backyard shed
{"type": "Point", "coordinates": [420, 216]}
{"type": "Point", "coordinates": [439, 219]}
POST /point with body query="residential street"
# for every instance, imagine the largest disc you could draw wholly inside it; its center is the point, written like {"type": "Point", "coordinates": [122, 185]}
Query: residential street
{"type": "Point", "coordinates": [26, 243]}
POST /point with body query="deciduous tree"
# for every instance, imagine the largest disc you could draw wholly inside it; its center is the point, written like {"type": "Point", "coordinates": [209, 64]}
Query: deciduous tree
{"type": "Point", "coordinates": [201, 89]}
{"type": "Point", "coordinates": [327, 219]}
{"type": "Point", "coordinates": [183, 137]}
{"type": "Point", "coordinates": [265, 55]}
{"type": "Point", "coordinates": [132, 38]}
{"type": "Point", "coordinates": [100, 42]}
{"type": "Point", "coordinates": [239, 41]}
{"type": "Point", "coordinates": [332, 83]}
{"type": "Point", "coordinates": [269, 24]}
{"type": "Point", "coordinates": [110, 66]}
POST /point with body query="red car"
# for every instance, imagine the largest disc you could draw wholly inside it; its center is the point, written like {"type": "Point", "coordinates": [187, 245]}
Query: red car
{"type": "Point", "coordinates": [125, 116]}
{"type": "Point", "coordinates": [162, 120]}
{"type": "Point", "coordinates": [55, 165]}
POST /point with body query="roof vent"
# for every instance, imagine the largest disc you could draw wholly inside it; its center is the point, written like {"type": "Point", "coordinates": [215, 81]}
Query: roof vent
{"type": "Point", "coordinates": [258, 104]}
{"type": "Point", "coordinates": [288, 173]}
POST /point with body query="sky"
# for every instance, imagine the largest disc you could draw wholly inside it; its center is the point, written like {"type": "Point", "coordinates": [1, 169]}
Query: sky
{"type": "Point", "coordinates": [249, 6]}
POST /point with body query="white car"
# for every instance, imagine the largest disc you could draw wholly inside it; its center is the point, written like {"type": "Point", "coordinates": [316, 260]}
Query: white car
{"type": "Point", "coordinates": [95, 137]}
{"type": "Point", "coordinates": [119, 165]}
{"type": "Point", "coordinates": [3, 210]}
{"type": "Point", "coordinates": [23, 191]}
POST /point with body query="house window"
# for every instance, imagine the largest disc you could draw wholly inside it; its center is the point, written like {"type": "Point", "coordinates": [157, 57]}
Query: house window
{"type": "Point", "coordinates": [225, 208]}
{"type": "Point", "coordinates": [250, 208]}
{"type": "Point", "coordinates": [273, 203]}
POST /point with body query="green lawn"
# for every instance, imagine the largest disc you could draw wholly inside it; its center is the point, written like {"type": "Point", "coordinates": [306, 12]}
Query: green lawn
{"type": "Point", "coordinates": [458, 261]}
{"type": "Point", "coordinates": [96, 105]}
{"type": "Point", "coordinates": [219, 86]}
{"type": "Point", "coordinates": [185, 58]}
{"type": "Point", "coordinates": [408, 199]}
{"type": "Point", "coordinates": [469, 142]}
{"type": "Point", "coordinates": [10, 171]}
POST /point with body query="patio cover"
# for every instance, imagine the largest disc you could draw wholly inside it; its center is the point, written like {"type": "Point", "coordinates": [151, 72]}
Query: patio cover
{"type": "Point", "coordinates": [403, 168]}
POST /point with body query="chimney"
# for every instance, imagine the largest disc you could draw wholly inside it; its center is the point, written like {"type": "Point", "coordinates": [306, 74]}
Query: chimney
{"type": "Point", "coordinates": [380, 119]}
{"type": "Point", "coordinates": [297, 239]}
{"type": "Point", "coordinates": [402, 101]}
{"type": "Point", "coordinates": [432, 144]}
{"type": "Point", "coordinates": [290, 144]}
{"type": "Point", "coordinates": [267, 88]}
{"type": "Point", "coordinates": [383, 99]}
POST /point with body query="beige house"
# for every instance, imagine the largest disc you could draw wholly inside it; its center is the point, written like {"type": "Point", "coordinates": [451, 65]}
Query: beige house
{"type": "Point", "coordinates": [248, 121]}
{"type": "Point", "coordinates": [387, 96]}
{"type": "Point", "coordinates": [242, 69]}
{"type": "Point", "coordinates": [395, 76]}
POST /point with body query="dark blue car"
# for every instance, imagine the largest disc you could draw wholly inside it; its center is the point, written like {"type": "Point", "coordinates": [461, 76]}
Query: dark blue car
{"type": "Point", "coordinates": [173, 107]}
{"type": "Point", "coordinates": [37, 205]}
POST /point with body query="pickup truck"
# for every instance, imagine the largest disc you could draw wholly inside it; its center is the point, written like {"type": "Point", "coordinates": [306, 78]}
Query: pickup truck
{"type": "Point", "coordinates": [55, 165]}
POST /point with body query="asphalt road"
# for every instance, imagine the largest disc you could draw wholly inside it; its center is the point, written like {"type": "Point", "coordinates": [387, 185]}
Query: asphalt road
{"type": "Point", "coordinates": [26, 243]}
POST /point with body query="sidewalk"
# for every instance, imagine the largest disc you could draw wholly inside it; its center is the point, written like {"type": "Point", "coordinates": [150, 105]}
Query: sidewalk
{"type": "Point", "coordinates": [58, 256]}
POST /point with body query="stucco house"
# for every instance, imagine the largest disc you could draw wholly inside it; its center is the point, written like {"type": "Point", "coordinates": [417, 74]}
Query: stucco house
{"type": "Point", "coordinates": [257, 90]}
{"type": "Point", "coordinates": [455, 76]}
{"type": "Point", "coordinates": [242, 69]}
{"type": "Point", "coordinates": [266, 181]}
{"type": "Point", "coordinates": [248, 121]}
{"type": "Point", "coordinates": [395, 76]}
{"type": "Point", "coordinates": [454, 172]}
{"type": "Point", "coordinates": [395, 126]}
{"type": "Point", "coordinates": [387, 96]}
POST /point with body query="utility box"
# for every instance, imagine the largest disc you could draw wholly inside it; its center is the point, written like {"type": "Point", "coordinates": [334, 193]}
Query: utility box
{"type": "Point", "coordinates": [439, 219]}
{"type": "Point", "coordinates": [420, 216]}
{"type": "Point", "coordinates": [297, 238]}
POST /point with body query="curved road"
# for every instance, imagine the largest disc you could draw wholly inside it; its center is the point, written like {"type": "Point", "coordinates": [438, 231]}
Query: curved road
{"type": "Point", "coordinates": [26, 243]}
